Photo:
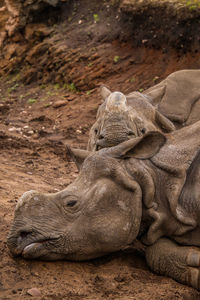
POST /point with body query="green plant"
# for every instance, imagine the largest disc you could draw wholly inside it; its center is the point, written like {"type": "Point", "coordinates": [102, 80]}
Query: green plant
{"type": "Point", "coordinates": [193, 4]}
{"type": "Point", "coordinates": [96, 18]}
{"type": "Point", "coordinates": [193, 7]}
{"type": "Point", "coordinates": [72, 87]}
{"type": "Point", "coordinates": [57, 86]}
{"type": "Point", "coordinates": [47, 104]}
{"type": "Point", "coordinates": [132, 79]}
{"type": "Point", "coordinates": [116, 59]}
{"type": "Point", "coordinates": [31, 100]}
{"type": "Point", "coordinates": [13, 88]}
{"type": "Point", "coordinates": [50, 93]}
{"type": "Point", "coordinates": [16, 77]}
{"type": "Point", "coordinates": [88, 93]}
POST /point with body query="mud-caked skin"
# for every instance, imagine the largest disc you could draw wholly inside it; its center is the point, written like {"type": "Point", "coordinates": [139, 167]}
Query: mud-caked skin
{"type": "Point", "coordinates": [146, 188]}
{"type": "Point", "coordinates": [171, 104]}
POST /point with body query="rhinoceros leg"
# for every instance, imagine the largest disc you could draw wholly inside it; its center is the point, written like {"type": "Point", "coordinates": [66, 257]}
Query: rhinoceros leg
{"type": "Point", "coordinates": [181, 263]}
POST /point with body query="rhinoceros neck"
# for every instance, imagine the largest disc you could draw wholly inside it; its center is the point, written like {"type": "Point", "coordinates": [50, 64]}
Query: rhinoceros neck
{"type": "Point", "coordinates": [162, 215]}
{"type": "Point", "coordinates": [141, 171]}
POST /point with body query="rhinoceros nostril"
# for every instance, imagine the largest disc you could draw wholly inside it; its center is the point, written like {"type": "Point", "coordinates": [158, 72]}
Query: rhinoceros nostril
{"type": "Point", "coordinates": [101, 137]}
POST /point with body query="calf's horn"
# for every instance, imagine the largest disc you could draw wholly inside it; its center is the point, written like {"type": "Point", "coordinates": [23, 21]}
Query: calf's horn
{"type": "Point", "coordinates": [116, 102]}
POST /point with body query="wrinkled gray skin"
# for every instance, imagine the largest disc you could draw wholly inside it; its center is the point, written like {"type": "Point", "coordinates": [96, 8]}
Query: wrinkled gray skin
{"type": "Point", "coordinates": [121, 118]}
{"type": "Point", "coordinates": [146, 188]}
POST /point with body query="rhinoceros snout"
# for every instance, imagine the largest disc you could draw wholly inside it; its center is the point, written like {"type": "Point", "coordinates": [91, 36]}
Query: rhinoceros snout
{"type": "Point", "coordinates": [17, 240]}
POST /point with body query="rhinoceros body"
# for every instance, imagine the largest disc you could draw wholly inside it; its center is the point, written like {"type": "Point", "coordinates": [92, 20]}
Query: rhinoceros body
{"type": "Point", "coordinates": [146, 188]}
{"type": "Point", "coordinates": [173, 103]}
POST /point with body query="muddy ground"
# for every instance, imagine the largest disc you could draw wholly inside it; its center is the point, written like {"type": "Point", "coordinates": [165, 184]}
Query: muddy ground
{"type": "Point", "coordinates": [49, 97]}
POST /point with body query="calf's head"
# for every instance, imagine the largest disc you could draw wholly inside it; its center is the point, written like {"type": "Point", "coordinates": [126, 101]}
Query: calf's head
{"type": "Point", "coordinates": [100, 212]}
{"type": "Point", "coordinates": [121, 118]}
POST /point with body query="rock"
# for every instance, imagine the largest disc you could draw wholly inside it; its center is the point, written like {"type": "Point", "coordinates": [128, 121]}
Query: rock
{"type": "Point", "coordinates": [59, 103]}
{"type": "Point", "coordinates": [30, 132]}
{"type": "Point", "coordinates": [34, 292]}
{"type": "Point", "coordinates": [12, 129]}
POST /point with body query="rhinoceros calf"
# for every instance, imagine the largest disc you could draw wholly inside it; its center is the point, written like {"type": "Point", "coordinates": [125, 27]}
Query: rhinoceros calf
{"type": "Point", "coordinates": [121, 118]}
{"type": "Point", "coordinates": [146, 188]}
{"type": "Point", "coordinates": [173, 103]}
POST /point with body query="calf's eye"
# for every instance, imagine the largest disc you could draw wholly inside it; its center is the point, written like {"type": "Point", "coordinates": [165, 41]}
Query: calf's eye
{"type": "Point", "coordinates": [143, 130]}
{"type": "Point", "coordinates": [131, 134]}
{"type": "Point", "coordinates": [71, 203]}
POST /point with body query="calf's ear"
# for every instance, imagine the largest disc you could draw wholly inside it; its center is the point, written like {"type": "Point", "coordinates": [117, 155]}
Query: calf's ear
{"type": "Point", "coordinates": [143, 147]}
{"type": "Point", "coordinates": [77, 155]}
{"type": "Point", "coordinates": [105, 92]}
{"type": "Point", "coordinates": [165, 124]}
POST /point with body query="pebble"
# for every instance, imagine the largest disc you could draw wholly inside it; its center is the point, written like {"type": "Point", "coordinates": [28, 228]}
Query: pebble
{"type": "Point", "coordinates": [12, 129]}
{"type": "Point", "coordinates": [59, 103]}
{"type": "Point", "coordinates": [34, 292]}
{"type": "Point", "coordinates": [30, 132]}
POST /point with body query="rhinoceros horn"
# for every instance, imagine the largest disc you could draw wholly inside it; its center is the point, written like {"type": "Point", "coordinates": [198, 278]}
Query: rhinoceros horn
{"type": "Point", "coordinates": [116, 102]}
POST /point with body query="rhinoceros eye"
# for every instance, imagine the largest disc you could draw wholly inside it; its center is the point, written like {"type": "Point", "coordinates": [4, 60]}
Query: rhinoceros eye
{"type": "Point", "coordinates": [131, 134]}
{"type": "Point", "coordinates": [143, 130]}
{"type": "Point", "coordinates": [71, 203]}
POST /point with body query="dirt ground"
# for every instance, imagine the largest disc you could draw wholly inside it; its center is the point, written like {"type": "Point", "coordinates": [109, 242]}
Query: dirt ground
{"type": "Point", "coordinates": [41, 111]}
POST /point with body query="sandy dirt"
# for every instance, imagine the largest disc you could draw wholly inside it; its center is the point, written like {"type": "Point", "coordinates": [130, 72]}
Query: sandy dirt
{"type": "Point", "coordinates": [38, 116]}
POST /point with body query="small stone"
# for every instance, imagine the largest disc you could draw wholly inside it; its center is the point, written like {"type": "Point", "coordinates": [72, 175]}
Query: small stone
{"type": "Point", "coordinates": [18, 129]}
{"type": "Point", "coordinates": [78, 131]}
{"type": "Point", "coordinates": [34, 292]}
{"type": "Point", "coordinates": [12, 129]}
{"type": "Point", "coordinates": [59, 103]}
{"type": "Point", "coordinates": [30, 132]}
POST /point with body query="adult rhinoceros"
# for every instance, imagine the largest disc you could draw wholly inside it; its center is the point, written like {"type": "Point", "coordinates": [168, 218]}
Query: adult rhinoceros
{"type": "Point", "coordinates": [171, 104]}
{"type": "Point", "coordinates": [146, 188]}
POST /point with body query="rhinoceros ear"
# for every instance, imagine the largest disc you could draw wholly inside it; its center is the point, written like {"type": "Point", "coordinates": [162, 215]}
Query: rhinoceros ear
{"type": "Point", "coordinates": [142, 147]}
{"type": "Point", "coordinates": [105, 92]}
{"type": "Point", "coordinates": [78, 155]}
{"type": "Point", "coordinates": [165, 124]}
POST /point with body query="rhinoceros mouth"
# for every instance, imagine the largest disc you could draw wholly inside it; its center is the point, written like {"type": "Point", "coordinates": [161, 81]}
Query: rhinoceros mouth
{"type": "Point", "coordinates": [30, 249]}
{"type": "Point", "coordinates": [34, 250]}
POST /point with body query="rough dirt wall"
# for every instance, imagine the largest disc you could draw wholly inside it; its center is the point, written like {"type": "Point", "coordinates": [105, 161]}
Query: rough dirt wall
{"type": "Point", "coordinates": [38, 34]}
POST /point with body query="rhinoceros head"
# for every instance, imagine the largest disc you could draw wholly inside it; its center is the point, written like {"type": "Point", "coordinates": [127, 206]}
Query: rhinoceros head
{"type": "Point", "coordinates": [100, 212]}
{"type": "Point", "coordinates": [121, 118]}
